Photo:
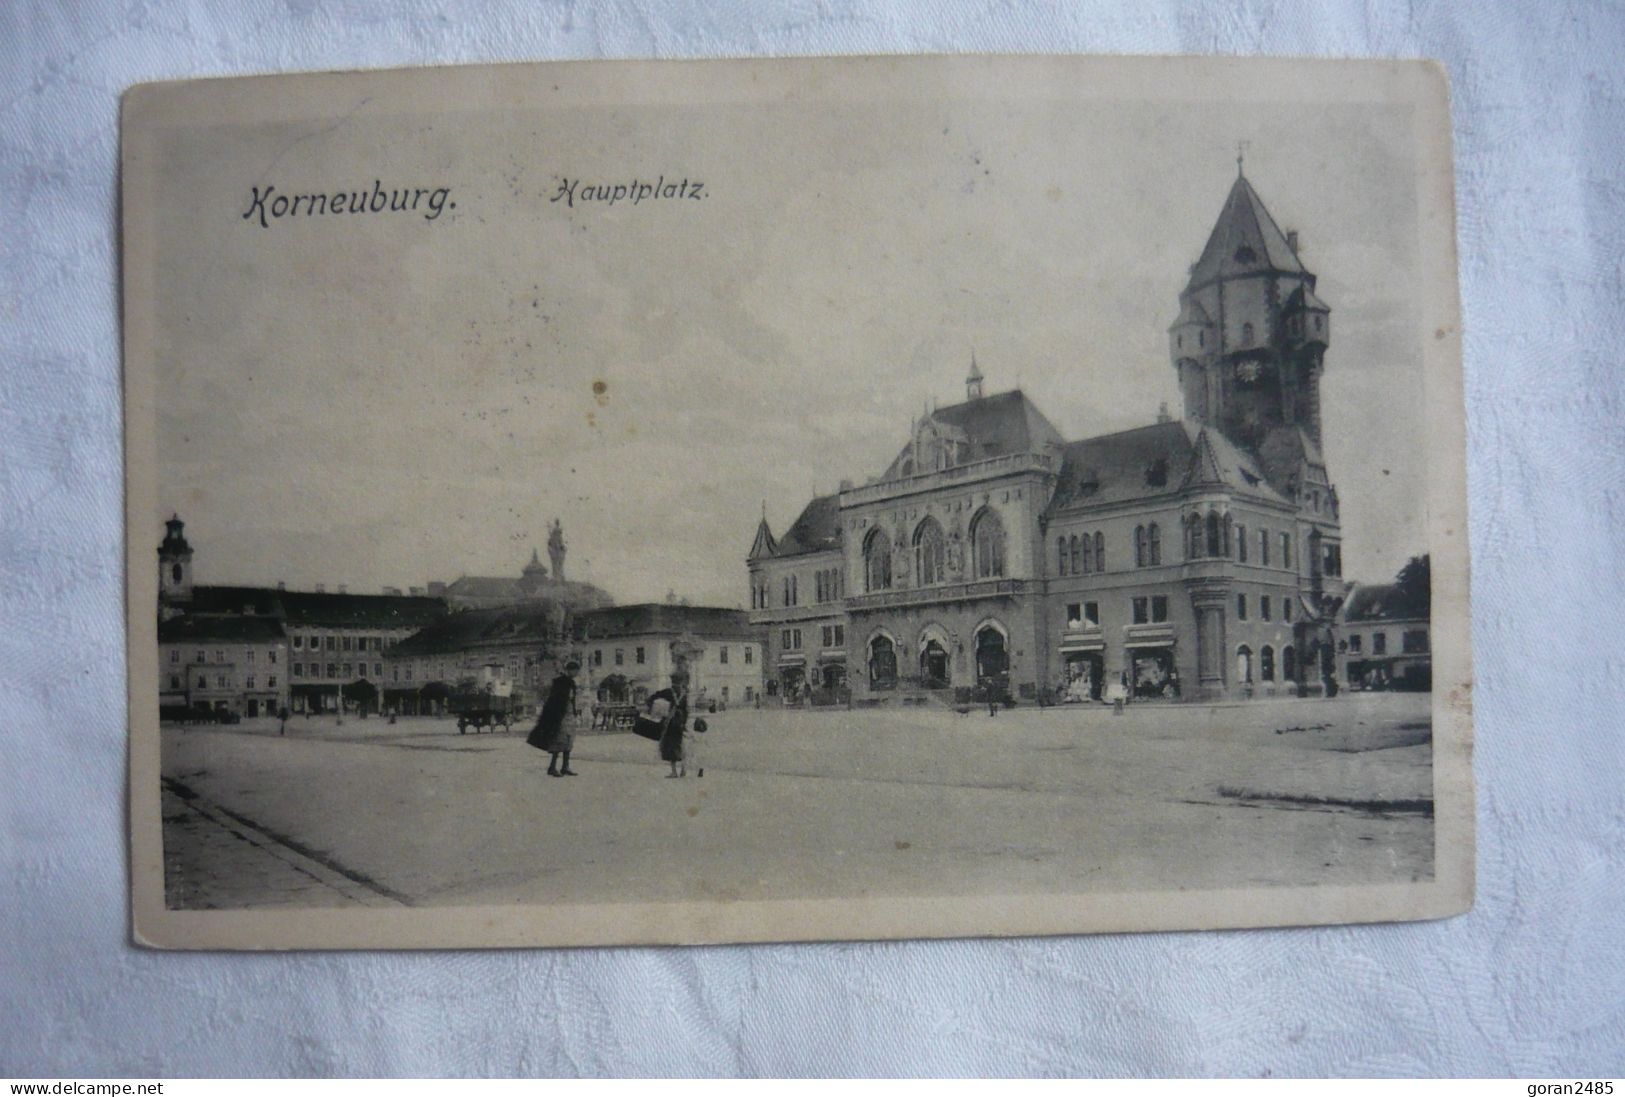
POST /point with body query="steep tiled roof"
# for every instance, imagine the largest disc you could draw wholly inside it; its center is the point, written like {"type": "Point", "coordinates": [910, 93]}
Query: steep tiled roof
{"type": "Point", "coordinates": [817, 529]}
{"type": "Point", "coordinates": [533, 623]}
{"type": "Point", "coordinates": [1284, 452]}
{"type": "Point", "coordinates": [764, 545]}
{"type": "Point", "coordinates": [1304, 298]}
{"type": "Point", "coordinates": [658, 618]}
{"type": "Point", "coordinates": [194, 629]}
{"type": "Point", "coordinates": [1244, 228]}
{"type": "Point", "coordinates": [990, 426]}
{"type": "Point", "coordinates": [1159, 459]}
{"type": "Point", "coordinates": [1006, 422]}
{"type": "Point", "coordinates": [486, 586]}
{"type": "Point", "coordinates": [1369, 602]}
{"type": "Point", "coordinates": [314, 608]}
{"type": "Point", "coordinates": [360, 610]}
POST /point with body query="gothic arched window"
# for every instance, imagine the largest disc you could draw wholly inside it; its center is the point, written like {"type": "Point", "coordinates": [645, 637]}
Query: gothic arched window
{"type": "Point", "coordinates": [1153, 545]}
{"type": "Point", "coordinates": [987, 545]}
{"type": "Point", "coordinates": [1100, 552]}
{"type": "Point", "coordinates": [1060, 553]}
{"type": "Point", "coordinates": [929, 553]}
{"type": "Point", "coordinates": [1289, 659]}
{"type": "Point", "coordinates": [1215, 534]}
{"type": "Point", "coordinates": [1246, 335]}
{"type": "Point", "coordinates": [1139, 546]}
{"type": "Point", "coordinates": [1080, 556]}
{"type": "Point", "coordinates": [177, 573]}
{"type": "Point", "coordinates": [1266, 664]}
{"type": "Point", "coordinates": [876, 562]}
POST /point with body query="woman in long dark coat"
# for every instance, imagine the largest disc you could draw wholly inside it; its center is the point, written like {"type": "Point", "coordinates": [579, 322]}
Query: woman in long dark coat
{"type": "Point", "coordinates": [671, 740]}
{"type": "Point", "coordinates": [553, 732]}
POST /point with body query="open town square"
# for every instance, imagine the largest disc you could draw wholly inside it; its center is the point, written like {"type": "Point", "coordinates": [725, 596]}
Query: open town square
{"type": "Point", "coordinates": [873, 802]}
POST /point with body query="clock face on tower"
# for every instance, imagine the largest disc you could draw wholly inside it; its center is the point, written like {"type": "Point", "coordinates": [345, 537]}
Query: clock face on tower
{"type": "Point", "coordinates": [1247, 372]}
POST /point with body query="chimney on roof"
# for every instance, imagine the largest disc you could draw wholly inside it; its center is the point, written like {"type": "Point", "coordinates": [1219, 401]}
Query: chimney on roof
{"type": "Point", "coordinates": [321, 588]}
{"type": "Point", "coordinates": [1292, 240]}
{"type": "Point", "coordinates": [846, 485]}
{"type": "Point", "coordinates": [343, 589]}
{"type": "Point", "coordinates": [417, 592]}
{"type": "Point", "coordinates": [1162, 413]}
{"type": "Point", "coordinates": [281, 585]}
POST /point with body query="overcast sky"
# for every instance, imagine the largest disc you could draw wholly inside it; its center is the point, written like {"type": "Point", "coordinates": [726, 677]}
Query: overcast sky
{"type": "Point", "coordinates": [385, 399]}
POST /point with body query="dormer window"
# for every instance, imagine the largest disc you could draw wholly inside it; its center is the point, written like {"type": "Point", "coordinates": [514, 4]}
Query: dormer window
{"type": "Point", "coordinates": [1246, 335]}
{"type": "Point", "coordinates": [1156, 473]}
{"type": "Point", "coordinates": [1245, 254]}
{"type": "Point", "coordinates": [1089, 481]}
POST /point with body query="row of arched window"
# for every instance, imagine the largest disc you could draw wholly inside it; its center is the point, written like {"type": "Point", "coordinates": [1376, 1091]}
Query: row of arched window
{"type": "Point", "coordinates": [1085, 553]}
{"type": "Point", "coordinates": [1266, 664]}
{"type": "Point", "coordinates": [1081, 554]}
{"type": "Point", "coordinates": [930, 545]}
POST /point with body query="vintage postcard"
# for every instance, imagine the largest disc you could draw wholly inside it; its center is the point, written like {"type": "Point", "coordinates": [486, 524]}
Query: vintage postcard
{"type": "Point", "coordinates": [664, 502]}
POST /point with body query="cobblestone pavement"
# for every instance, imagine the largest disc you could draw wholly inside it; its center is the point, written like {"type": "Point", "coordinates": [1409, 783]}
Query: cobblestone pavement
{"type": "Point", "coordinates": [880, 802]}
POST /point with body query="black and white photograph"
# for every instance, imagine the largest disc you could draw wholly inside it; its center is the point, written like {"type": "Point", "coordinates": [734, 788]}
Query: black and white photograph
{"type": "Point", "coordinates": [723, 501]}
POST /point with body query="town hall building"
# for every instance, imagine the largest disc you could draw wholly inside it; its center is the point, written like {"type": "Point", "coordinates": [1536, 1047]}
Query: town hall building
{"type": "Point", "coordinates": [1191, 558]}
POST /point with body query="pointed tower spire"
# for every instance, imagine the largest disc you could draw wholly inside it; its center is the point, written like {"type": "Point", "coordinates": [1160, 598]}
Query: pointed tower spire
{"type": "Point", "coordinates": [973, 383]}
{"type": "Point", "coordinates": [764, 545]}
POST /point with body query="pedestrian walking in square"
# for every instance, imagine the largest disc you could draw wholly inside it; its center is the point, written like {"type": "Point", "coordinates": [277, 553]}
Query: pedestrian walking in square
{"type": "Point", "coordinates": [674, 701]}
{"type": "Point", "coordinates": [555, 731]}
{"type": "Point", "coordinates": [693, 747]}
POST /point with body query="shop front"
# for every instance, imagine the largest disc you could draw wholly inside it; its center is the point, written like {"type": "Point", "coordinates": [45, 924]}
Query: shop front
{"type": "Point", "coordinates": [1152, 672]}
{"type": "Point", "coordinates": [1083, 671]}
{"type": "Point", "coordinates": [792, 678]}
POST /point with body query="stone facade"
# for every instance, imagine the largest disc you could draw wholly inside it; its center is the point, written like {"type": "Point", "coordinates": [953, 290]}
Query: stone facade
{"type": "Point", "coordinates": [1197, 557]}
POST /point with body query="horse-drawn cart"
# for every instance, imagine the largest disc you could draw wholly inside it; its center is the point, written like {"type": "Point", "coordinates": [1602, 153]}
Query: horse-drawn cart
{"type": "Point", "coordinates": [482, 707]}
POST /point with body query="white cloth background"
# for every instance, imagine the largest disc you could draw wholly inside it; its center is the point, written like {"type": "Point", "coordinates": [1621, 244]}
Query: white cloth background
{"type": "Point", "coordinates": [1531, 982]}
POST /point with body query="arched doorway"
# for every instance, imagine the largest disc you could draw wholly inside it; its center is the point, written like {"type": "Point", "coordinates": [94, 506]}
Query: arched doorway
{"type": "Point", "coordinates": [1244, 665]}
{"type": "Point", "coordinates": [934, 665]}
{"type": "Point", "coordinates": [882, 663]}
{"type": "Point", "coordinates": [992, 660]}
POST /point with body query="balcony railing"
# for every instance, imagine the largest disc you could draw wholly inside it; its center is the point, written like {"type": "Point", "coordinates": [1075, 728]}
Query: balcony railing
{"type": "Point", "coordinates": [939, 478]}
{"type": "Point", "coordinates": [946, 592]}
